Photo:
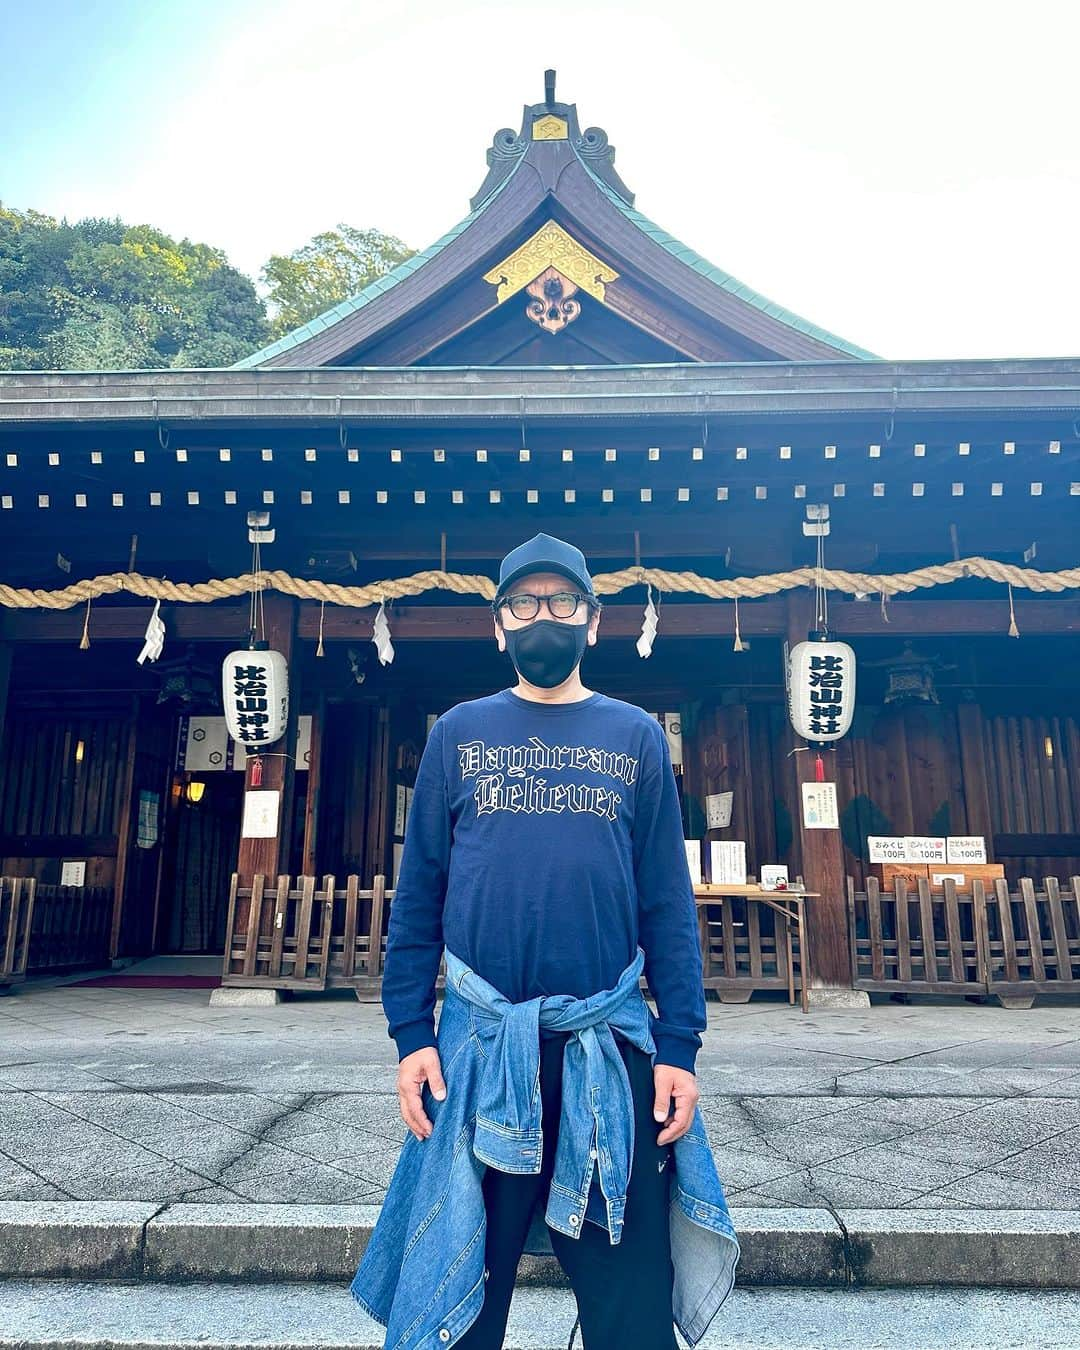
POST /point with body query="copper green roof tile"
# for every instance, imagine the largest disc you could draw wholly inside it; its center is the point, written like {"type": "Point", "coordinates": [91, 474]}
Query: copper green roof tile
{"type": "Point", "coordinates": [725, 280]}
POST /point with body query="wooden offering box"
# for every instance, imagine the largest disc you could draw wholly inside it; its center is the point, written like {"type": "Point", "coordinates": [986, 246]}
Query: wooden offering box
{"type": "Point", "coordinates": [913, 873]}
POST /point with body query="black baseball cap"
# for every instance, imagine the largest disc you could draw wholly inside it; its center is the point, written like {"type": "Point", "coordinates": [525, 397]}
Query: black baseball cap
{"type": "Point", "coordinates": [544, 553]}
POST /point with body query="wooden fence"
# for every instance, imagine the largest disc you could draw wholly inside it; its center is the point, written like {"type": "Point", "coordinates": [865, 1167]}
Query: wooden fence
{"type": "Point", "coordinates": [45, 927]}
{"type": "Point", "coordinates": [1012, 945]}
{"type": "Point", "coordinates": [303, 933]}
{"type": "Point", "coordinates": [16, 916]}
{"type": "Point", "coordinates": [307, 933]}
{"type": "Point", "coordinates": [745, 947]}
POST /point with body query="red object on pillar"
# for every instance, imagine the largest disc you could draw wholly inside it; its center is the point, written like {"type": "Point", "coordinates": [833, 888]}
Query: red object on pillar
{"type": "Point", "coordinates": [819, 770]}
{"type": "Point", "coordinates": [256, 772]}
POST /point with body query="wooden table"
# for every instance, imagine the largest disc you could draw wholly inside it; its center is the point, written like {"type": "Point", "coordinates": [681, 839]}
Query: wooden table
{"type": "Point", "coordinates": [789, 905]}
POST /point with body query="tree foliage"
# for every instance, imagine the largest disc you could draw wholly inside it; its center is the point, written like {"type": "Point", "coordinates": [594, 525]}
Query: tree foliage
{"type": "Point", "coordinates": [103, 295]}
{"type": "Point", "coordinates": [332, 267]}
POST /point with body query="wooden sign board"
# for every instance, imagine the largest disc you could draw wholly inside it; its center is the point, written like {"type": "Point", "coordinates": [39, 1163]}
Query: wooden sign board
{"type": "Point", "coordinates": [936, 873]}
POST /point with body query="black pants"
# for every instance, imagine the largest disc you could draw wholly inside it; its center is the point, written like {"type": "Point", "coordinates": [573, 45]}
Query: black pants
{"type": "Point", "coordinates": [623, 1291]}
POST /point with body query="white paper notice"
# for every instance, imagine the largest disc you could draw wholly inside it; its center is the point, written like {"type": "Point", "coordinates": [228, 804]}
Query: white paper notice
{"type": "Point", "coordinates": [924, 848]}
{"type": "Point", "coordinates": [399, 810]}
{"type": "Point", "coordinates": [693, 859]}
{"type": "Point", "coordinates": [727, 862]}
{"type": "Point", "coordinates": [73, 874]}
{"type": "Point", "coordinates": [260, 820]}
{"type": "Point", "coordinates": [399, 849]}
{"type": "Point", "coordinates": [718, 810]}
{"type": "Point", "coordinates": [819, 806]}
{"type": "Point", "coordinates": [408, 806]}
{"type": "Point", "coordinates": [772, 874]}
{"type": "Point", "coordinates": [965, 848]}
{"type": "Point", "coordinates": [886, 848]}
{"type": "Point", "coordinates": [303, 741]}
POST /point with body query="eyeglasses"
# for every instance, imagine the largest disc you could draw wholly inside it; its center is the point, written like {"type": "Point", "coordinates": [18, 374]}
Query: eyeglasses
{"type": "Point", "coordinates": [561, 605]}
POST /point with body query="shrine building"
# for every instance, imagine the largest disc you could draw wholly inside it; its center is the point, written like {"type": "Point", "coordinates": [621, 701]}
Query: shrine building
{"type": "Point", "coordinates": [555, 362]}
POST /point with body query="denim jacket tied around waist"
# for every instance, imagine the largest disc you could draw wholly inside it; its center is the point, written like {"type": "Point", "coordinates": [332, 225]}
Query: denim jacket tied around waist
{"type": "Point", "coordinates": [422, 1273]}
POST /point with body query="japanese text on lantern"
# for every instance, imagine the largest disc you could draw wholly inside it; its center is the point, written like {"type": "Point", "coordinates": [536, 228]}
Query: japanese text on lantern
{"type": "Point", "coordinates": [821, 689]}
{"type": "Point", "coordinates": [826, 684]}
{"type": "Point", "coordinates": [255, 692]}
{"type": "Point", "coordinates": [250, 702]}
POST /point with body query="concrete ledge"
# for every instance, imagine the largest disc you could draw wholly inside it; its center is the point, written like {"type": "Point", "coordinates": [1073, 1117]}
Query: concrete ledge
{"type": "Point", "coordinates": [790, 1246]}
{"type": "Point", "coordinates": [123, 1315]}
{"type": "Point", "coordinates": [1013, 1248]}
{"type": "Point", "coordinates": [70, 1239]}
{"type": "Point", "coordinates": [311, 1243]}
{"type": "Point", "coordinates": [257, 1242]}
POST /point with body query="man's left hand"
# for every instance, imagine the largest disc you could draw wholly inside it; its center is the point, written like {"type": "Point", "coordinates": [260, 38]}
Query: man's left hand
{"type": "Point", "coordinates": [682, 1085]}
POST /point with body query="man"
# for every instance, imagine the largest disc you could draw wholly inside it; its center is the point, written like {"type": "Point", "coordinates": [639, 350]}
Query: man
{"type": "Point", "coordinates": [545, 845]}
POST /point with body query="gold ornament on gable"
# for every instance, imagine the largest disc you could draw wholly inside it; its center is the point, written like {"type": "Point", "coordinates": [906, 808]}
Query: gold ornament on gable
{"type": "Point", "coordinates": [551, 247]}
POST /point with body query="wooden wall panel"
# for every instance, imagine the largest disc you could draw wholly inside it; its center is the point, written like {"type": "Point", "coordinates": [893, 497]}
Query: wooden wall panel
{"type": "Point", "coordinates": [52, 803]}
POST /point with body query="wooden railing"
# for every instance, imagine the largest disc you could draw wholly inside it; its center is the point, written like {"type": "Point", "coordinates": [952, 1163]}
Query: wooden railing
{"type": "Point", "coordinates": [983, 941]}
{"type": "Point", "coordinates": [746, 946]}
{"type": "Point", "coordinates": [16, 916]}
{"type": "Point", "coordinates": [303, 933]}
{"type": "Point", "coordinates": [46, 927]}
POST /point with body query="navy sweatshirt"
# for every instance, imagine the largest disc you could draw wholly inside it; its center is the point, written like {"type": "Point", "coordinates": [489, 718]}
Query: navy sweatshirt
{"type": "Point", "coordinates": [544, 844]}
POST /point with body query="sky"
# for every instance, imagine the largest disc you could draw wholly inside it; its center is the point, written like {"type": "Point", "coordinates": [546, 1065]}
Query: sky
{"type": "Point", "coordinates": [906, 175]}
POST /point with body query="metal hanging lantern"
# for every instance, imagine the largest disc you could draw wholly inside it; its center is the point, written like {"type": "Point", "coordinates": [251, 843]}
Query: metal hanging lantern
{"type": "Point", "coordinates": [821, 690]}
{"type": "Point", "coordinates": [255, 691]}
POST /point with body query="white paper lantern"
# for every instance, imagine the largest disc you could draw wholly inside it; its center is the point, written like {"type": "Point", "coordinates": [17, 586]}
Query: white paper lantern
{"type": "Point", "coordinates": [255, 691]}
{"type": "Point", "coordinates": [821, 689]}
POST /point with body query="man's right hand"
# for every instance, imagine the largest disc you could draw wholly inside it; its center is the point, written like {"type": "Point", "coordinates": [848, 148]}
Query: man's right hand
{"type": "Point", "coordinates": [421, 1067]}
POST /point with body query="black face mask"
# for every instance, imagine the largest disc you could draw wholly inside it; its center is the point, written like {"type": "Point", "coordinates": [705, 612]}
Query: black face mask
{"type": "Point", "coordinates": [546, 652]}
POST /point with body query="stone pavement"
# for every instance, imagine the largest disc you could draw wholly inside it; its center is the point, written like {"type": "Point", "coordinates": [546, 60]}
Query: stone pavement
{"type": "Point", "coordinates": [152, 1095]}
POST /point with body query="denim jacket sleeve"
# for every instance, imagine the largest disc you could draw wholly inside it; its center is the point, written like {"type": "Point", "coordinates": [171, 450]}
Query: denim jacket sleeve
{"type": "Point", "coordinates": [667, 917]}
{"type": "Point", "coordinates": [414, 937]}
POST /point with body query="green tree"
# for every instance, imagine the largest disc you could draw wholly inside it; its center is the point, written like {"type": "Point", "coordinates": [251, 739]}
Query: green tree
{"type": "Point", "coordinates": [102, 295]}
{"type": "Point", "coordinates": [333, 267]}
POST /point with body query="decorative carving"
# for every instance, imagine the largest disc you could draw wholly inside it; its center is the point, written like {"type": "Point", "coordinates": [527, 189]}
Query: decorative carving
{"type": "Point", "coordinates": [551, 121]}
{"type": "Point", "coordinates": [503, 155]}
{"type": "Point", "coordinates": [598, 155]}
{"type": "Point", "coordinates": [550, 128]}
{"type": "Point", "coordinates": [507, 144]}
{"type": "Point", "coordinates": [553, 306]}
{"type": "Point", "coordinates": [551, 246]}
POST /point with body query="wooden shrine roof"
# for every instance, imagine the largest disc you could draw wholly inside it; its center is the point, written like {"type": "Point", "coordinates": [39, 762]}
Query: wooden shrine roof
{"type": "Point", "coordinates": [659, 298]}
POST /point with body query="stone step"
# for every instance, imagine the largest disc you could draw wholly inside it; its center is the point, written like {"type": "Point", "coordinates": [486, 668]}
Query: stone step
{"type": "Point", "coordinates": [125, 1315]}
{"type": "Point", "coordinates": [838, 1249]}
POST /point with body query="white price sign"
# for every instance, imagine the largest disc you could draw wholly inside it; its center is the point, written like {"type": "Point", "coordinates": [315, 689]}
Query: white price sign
{"type": "Point", "coordinates": [924, 848]}
{"type": "Point", "coordinates": [886, 848]}
{"type": "Point", "coordinates": [965, 848]}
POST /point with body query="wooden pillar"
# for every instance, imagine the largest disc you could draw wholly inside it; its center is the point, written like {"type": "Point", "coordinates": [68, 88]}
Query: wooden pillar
{"type": "Point", "coordinates": [827, 962]}
{"type": "Point", "coordinates": [270, 856]}
{"type": "Point", "coordinates": [5, 683]}
{"type": "Point", "coordinates": [123, 836]}
{"type": "Point", "coordinates": [314, 788]}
